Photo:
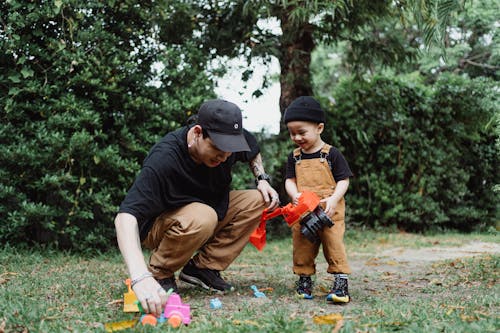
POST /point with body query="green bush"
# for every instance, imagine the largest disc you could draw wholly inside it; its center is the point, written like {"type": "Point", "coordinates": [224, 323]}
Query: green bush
{"type": "Point", "coordinates": [81, 105]}
{"type": "Point", "coordinates": [423, 157]}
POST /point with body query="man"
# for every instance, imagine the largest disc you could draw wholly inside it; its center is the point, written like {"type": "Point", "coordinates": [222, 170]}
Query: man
{"type": "Point", "coordinates": [181, 205]}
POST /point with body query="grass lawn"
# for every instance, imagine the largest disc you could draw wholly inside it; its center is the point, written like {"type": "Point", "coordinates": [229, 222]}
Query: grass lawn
{"type": "Point", "coordinates": [400, 282]}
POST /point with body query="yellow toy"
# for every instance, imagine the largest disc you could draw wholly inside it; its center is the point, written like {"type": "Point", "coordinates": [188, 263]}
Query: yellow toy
{"type": "Point", "coordinates": [129, 299]}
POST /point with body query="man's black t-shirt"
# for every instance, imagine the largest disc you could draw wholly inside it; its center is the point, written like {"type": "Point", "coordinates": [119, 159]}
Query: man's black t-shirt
{"type": "Point", "coordinates": [338, 164]}
{"type": "Point", "coordinates": [170, 179]}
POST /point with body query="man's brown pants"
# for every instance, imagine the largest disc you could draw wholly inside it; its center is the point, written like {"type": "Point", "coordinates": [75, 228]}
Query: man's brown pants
{"type": "Point", "coordinates": [177, 235]}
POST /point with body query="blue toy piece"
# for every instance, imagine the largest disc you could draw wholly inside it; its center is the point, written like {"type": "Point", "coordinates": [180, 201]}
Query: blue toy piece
{"type": "Point", "coordinates": [215, 303]}
{"type": "Point", "coordinates": [256, 292]}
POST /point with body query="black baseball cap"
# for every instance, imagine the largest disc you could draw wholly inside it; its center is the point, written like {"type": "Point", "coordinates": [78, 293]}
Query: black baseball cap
{"type": "Point", "coordinates": [223, 122]}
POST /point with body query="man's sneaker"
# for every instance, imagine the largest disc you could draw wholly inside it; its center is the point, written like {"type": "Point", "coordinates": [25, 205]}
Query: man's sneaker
{"type": "Point", "coordinates": [205, 278]}
{"type": "Point", "coordinates": [340, 290]}
{"type": "Point", "coordinates": [169, 283]}
{"type": "Point", "coordinates": [304, 287]}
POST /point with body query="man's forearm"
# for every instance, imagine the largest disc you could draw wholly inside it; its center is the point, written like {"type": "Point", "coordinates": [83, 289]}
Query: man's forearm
{"type": "Point", "coordinates": [127, 234]}
{"type": "Point", "coordinates": [257, 166]}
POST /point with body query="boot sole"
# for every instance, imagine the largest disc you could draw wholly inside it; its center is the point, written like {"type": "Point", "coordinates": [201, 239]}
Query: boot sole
{"type": "Point", "coordinates": [197, 282]}
{"type": "Point", "coordinates": [303, 296]}
{"type": "Point", "coordinates": [193, 280]}
{"type": "Point", "coordinates": [337, 299]}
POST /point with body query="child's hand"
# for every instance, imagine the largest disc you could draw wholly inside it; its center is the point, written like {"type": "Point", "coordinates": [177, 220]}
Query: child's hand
{"type": "Point", "coordinates": [295, 199]}
{"type": "Point", "coordinates": [331, 204]}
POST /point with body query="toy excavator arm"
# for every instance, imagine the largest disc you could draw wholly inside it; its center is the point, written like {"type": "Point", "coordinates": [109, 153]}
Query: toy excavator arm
{"type": "Point", "coordinates": [258, 237]}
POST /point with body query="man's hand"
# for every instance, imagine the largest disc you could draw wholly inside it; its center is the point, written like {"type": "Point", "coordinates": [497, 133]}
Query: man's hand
{"type": "Point", "coordinates": [269, 194]}
{"type": "Point", "coordinates": [151, 295]}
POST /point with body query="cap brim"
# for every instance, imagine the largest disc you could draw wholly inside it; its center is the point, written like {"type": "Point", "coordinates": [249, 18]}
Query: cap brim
{"type": "Point", "coordinates": [228, 142]}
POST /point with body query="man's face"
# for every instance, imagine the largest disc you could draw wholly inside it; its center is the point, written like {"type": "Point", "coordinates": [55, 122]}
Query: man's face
{"type": "Point", "coordinates": [209, 154]}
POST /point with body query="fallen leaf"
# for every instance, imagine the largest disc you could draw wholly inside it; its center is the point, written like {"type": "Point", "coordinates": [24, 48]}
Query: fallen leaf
{"type": "Point", "coordinates": [331, 318]}
{"type": "Point", "coordinates": [121, 325]}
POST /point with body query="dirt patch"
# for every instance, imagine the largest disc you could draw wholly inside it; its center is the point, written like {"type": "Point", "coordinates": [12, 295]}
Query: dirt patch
{"type": "Point", "coordinates": [404, 271]}
{"type": "Point", "coordinates": [441, 253]}
{"type": "Point", "coordinates": [399, 259]}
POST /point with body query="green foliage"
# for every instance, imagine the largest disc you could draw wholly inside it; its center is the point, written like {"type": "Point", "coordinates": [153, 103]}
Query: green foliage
{"type": "Point", "coordinates": [423, 157]}
{"type": "Point", "coordinates": [85, 90]}
{"type": "Point", "coordinates": [471, 45]}
{"type": "Point", "coordinates": [390, 44]}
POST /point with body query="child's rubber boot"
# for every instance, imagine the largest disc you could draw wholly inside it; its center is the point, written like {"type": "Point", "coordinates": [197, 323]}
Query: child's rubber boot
{"type": "Point", "coordinates": [304, 287]}
{"type": "Point", "coordinates": [340, 290]}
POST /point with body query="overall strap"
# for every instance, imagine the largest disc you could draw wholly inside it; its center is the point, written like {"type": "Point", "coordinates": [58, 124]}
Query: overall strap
{"type": "Point", "coordinates": [326, 148]}
{"type": "Point", "coordinates": [297, 155]}
{"type": "Point", "coordinates": [324, 154]}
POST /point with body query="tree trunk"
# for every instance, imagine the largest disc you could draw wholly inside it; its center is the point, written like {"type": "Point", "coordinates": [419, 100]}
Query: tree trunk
{"type": "Point", "coordinates": [295, 78]}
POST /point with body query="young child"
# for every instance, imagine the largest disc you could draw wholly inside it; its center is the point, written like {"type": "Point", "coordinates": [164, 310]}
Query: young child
{"type": "Point", "coordinates": [318, 167]}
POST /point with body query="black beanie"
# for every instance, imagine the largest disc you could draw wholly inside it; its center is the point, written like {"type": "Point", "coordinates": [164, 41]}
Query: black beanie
{"type": "Point", "coordinates": [304, 108]}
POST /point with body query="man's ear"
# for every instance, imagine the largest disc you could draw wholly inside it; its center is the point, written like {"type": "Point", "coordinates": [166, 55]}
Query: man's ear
{"type": "Point", "coordinates": [197, 130]}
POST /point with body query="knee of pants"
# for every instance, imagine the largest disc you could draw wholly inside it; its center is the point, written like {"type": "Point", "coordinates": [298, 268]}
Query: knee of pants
{"type": "Point", "coordinates": [200, 218]}
{"type": "Point", "coordinates": [254, 198]}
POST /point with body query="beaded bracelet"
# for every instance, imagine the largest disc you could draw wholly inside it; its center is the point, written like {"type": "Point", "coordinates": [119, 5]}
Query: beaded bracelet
{"type": "Point", "coordinates": [140, 278]}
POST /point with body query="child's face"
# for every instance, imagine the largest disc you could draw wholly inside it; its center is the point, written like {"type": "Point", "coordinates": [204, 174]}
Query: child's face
{"type": "Point", "coordinates": [305, 134]}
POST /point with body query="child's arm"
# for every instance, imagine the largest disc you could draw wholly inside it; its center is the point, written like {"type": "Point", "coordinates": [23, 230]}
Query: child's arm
{"type": "Point", "coordinates": [291, 190]}
{"type": "Point", "coordinates": [332, 201]}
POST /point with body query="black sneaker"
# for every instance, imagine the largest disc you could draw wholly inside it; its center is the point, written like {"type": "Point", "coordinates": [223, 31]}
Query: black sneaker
{"type": "Point", "coordinates": [169, 283]}
{"type": "Point", "coordinates": [205, 278]}
{"type": "Point", "coordinates": [340, 291]}
{"type": "Point", "coordinates": [304, 287]}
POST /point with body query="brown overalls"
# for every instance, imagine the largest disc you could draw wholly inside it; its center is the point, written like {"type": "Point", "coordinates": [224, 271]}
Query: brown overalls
{"type": "Point", "coordinates": [315, 175]}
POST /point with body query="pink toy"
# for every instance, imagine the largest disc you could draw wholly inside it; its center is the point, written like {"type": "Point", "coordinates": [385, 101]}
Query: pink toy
{"type": "Point", "coordinates": [176, 311]}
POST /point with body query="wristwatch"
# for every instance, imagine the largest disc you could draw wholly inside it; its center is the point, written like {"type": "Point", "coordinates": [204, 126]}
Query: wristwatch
{"type": "Point", "coordinates": [262, 176]}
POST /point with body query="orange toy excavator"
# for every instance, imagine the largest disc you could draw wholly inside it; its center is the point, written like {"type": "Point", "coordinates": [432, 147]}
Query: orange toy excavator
{"type": "Point", "coordinates": [308, 212]}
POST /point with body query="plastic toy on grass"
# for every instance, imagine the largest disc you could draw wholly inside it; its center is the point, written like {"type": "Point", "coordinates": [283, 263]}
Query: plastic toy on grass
{"type": "Point", "coordinates": [256, 292]}
{"type": "Point", "coordinates": [148, 319]}
{"type": "Point", "coordinates": [215, 303]}
{"type": "Point", "coordinates": [129, 299]}
{"type": "Point", "coordinates": [176, 312]}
